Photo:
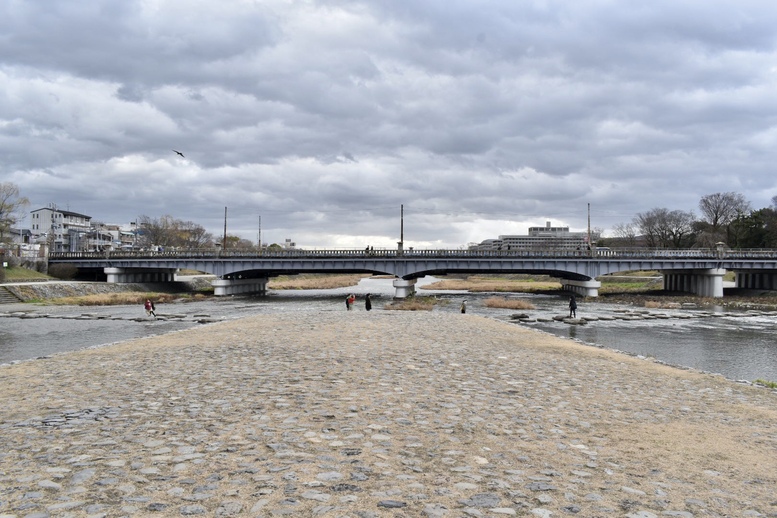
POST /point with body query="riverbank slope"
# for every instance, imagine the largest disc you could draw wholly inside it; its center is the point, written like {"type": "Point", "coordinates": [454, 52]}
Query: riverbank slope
{"type": "Point", "coordinates": [378, 414]}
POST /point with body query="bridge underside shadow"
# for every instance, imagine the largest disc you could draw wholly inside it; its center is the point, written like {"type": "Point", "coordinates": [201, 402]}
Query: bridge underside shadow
{"type": "Point", "coordinates": [242, 282]}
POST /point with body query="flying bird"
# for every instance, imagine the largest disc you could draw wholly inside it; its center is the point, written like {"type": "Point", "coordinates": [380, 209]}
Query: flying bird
{"type": "Point", "coordinates": [179, 153]}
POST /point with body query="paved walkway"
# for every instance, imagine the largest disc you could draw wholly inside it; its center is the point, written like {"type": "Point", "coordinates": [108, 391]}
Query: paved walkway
{"type": "Point", "coordinates": [356, 414]}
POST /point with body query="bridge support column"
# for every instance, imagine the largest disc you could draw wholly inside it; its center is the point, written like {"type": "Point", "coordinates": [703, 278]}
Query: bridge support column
{"type": "Point", "coordinates": [588, 288]}
{"type": "Point", "coordinates": [224, 287]}
{"type": "Point", "coordinates": [404, 288]}
{"type": "Point", "coordinates": [757, 280]}
{"type": "Point", "coordinates": [127, 275]}
{"type": "Point", "coordinates": [705, 283]}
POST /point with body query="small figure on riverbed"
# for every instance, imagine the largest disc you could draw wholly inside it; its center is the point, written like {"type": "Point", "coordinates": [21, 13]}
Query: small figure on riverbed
{"type": "Point", "coordinates": [367, 302]}
{"type": "Point", "coordinates": [349, 301]}
{"type": "Point", "coordinates": [150, 309]}
{"type": "Point", "coordinates": [572, 307]}
{"type": "Point", "coordinates": [463, 306]}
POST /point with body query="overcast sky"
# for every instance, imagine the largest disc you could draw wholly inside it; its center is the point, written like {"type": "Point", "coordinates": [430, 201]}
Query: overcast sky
{"type": "Point", "coordinates": [323, 118]}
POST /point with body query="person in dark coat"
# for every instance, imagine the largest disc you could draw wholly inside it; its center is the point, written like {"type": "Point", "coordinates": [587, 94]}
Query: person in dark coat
{"type": "Point", "coordinates": [367, 302]}
{"type": "Point", "coordinates": [572, 307]}
{"type": "Point", "coordinates": [464, 306]}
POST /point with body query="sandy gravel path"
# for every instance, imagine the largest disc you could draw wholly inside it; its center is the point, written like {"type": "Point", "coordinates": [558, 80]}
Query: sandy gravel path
{"type": "Point", "coordinates": [356, 414]}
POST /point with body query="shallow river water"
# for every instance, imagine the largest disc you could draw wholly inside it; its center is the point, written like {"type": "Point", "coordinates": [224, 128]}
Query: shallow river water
{"type": "Point", "coordinates": [738, 345]}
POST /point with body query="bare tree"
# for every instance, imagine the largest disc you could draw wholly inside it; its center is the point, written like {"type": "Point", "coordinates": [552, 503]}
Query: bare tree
{"type": "Point", "coordinates": [680, 228]}
{"type": "Point", "coordinates": [663, 228]}
{"type": "Point", "coordinates": [170, 232]}
{"type": "Point", "coordinates": [11, 205]}
{"type": "Point", "coordinates": [649, 225]}
{"type": "Point", "coordinates": [721, 208]}
{"type": "Point", "coordinates": [625, 233]}
{"type": "Point", "coordinates": [238, 242]}
{"type": "Point", "coordinates": [193, 235]}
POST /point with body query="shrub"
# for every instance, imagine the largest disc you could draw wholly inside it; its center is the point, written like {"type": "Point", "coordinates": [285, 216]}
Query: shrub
{"type": "Point", "coordinates": [63, 271]}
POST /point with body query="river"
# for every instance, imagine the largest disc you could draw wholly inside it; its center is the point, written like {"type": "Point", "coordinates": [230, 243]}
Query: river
{"type": "Point", "coordinates": [738, 345]}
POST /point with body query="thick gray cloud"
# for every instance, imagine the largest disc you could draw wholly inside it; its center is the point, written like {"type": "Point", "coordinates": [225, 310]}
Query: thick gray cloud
{"type": "Point", "coordinates": [323, 118]}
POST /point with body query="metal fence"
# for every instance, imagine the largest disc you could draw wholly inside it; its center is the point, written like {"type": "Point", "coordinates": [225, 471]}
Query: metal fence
{"type": "Point", "coordinates": [599, 254]}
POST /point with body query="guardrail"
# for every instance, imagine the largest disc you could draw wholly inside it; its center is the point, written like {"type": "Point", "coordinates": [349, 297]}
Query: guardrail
{"type": "Point", "coordinates": [599, 254]}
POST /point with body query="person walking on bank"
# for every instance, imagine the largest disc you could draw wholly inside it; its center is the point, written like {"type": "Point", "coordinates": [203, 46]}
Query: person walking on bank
{"type": "Point", "coordinates": [348, 303]}
{"type": "Point", "coordinates": [149, 308]}
{"type": "Point", "coordinates": [463, 306]}
{"type": "Point", "coordinates": [572, 307]}
{"type": "Point", "coordinates": [367, 302]}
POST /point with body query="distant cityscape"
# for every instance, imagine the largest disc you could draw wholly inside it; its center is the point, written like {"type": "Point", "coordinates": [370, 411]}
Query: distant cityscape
{"type": "Point", "coordinates": [66, 231]}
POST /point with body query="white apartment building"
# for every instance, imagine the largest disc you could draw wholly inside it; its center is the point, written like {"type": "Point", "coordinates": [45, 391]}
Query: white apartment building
{"type": "Point", "coordinates": [69, 229]}
{"type": "Point", "coordinates": [540, 238]}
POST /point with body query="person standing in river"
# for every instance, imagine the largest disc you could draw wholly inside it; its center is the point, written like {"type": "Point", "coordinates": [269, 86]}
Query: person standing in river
{"type": "Point", "coordinates": [367, 302]}
{"type": "Point", "coordinates": [572, 307]}
{"type": "Point", "coordinates": [149, 306]}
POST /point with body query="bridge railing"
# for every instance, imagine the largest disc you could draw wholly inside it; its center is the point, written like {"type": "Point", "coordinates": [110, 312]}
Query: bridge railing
{"type": "Point", "coordinates": [599, 254]}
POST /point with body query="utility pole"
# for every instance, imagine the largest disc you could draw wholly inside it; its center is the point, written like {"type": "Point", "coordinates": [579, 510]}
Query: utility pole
{"type": "Point", "coordinates": [590, 245]}
{"type": "Point", "coordinates": [401, 229]}
{"type": "Point", "coordinates": [224, 243]}
{"type": "Point", "coordinates": [259, 235]}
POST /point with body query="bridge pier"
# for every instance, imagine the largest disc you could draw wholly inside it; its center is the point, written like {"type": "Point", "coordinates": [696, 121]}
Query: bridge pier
{"type": "Point", "coordinates": [145, 275]}
{"type": "Point", "coordinates": [705, 283]}
{"type": "Point", "coordinates": [224, 287]}
{"type": "Point", "coordinates": [589, 288]}
{"type": "Point", "coordinates": [757, 280]}
{"type": "Point", "coordinates": [404, 288]}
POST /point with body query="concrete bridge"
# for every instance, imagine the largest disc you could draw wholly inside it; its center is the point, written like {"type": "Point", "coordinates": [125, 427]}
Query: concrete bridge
{"type": "Point", "coordinates": [698, 271]}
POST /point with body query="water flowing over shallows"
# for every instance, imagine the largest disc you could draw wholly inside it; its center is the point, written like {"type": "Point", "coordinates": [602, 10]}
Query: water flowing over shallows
{"type": "Point", "coordinates": [739, 345]}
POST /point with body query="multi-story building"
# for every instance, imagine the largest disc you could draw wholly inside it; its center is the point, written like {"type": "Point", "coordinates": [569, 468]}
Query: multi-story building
{"type": "Point", "coordinates": [65, 231]}
{"type": "Point", "coordinates": [105, 236]}
{"type": "Point", "coordinates": [540, 238]}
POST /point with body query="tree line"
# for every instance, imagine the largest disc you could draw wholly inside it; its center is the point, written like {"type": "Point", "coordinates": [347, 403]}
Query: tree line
{"type": "Point", "coordinates": [726, 217]}
{"type": "Point", "coordinates": [169, 232]}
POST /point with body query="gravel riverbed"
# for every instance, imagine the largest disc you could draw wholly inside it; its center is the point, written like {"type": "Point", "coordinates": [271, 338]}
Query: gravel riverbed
{"type": "Point", "coordinates": [371, 414]}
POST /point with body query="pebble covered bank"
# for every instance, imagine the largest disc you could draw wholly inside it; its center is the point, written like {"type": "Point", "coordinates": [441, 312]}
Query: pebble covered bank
{"type": "Point", "coordinates": [386, 413]}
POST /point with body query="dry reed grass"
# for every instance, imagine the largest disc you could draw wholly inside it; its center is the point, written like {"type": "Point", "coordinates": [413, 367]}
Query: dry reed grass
{"type": "Point", "coordinates": [475, 285]}
{"type": "Point", "coordinates": [501, 302]}
{"type": "Point", "coordinates": [314, 282]}
{"type": "Point", "coordinates": [413, 304]}
{"type": "Point", "coordinates": [120, 299]}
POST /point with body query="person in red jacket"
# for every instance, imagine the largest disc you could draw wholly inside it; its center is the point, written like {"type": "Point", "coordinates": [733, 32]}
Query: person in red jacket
{"type": "Point", "coordinates": [150, 309]}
